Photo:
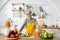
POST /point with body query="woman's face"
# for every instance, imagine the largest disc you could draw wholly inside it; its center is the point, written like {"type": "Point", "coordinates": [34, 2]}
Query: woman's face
{"type": "Point", "coordinates": [29, 15]}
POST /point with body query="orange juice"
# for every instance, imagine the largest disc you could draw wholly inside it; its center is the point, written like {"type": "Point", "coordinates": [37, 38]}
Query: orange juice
{"type": "Point", "coordinates": [7, 24]}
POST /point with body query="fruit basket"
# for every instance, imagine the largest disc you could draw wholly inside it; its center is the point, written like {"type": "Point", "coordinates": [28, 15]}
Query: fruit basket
{"type": "Point", "coordinates": [45, 35]}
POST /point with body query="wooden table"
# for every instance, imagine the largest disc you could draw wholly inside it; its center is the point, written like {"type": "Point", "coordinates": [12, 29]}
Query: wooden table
{"type": "Point", "coordinates": [3, 38]}
{"type": "Point", "coordinates": [31, 39]}
{"type": "Point", "coordinates": [37, 39]}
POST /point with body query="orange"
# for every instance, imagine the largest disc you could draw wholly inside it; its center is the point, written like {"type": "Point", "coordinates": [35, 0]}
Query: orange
{"type": "Point", "coordinates": [35, 33]}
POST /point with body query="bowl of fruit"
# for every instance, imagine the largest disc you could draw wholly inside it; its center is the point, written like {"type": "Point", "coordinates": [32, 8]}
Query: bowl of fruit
{"type": "Point", "coordinates": [13, 35]}
{"type": "Point", "coordinates": [45, 35]}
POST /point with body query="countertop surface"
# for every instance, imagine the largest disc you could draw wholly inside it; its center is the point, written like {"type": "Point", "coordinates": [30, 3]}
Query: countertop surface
{"type": "Point", "coordinates": [3, 38]}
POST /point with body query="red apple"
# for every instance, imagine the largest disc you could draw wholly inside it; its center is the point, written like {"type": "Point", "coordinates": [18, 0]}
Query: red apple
{"type": "Point", "coordinates": [12, 36]}
{"type": "Point", "coordinates": [9, 34]}
{"type": "Point", "coordinates": [16, 35]}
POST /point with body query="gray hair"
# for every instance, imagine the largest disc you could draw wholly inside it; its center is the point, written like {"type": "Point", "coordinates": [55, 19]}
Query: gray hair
{"type": "Point", "coordinates": [28, 12]}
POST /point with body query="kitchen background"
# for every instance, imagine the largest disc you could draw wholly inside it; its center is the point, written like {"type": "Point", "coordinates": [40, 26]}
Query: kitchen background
{"type": "Point", "coordinates": [50, 7]}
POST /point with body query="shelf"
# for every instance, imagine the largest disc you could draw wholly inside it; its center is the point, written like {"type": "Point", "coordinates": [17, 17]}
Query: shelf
{"type": "Point", "coordinates": [15, 10]}
{"type": "Point", "coordinates": [26, 4]}
{"type": "Point", "coordinates": [16, 3]}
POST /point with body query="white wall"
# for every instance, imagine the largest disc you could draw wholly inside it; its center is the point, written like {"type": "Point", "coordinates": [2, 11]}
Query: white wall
{"type": "Point", "coordinates": [1, 14]}
{"type": "Point", "coordinates": [57, 3]}
{"type": "Point", "coordinates": [1, 19]}
{"type": "Point", "coordinates": [2, 2]}
{"type": "Point", "coordinates": [6, 10]}
{"type": "Point", "coordinates": [51, 10]}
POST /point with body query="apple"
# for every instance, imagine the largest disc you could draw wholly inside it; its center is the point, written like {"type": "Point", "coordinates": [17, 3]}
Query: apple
{"type": "Point", "coordinates": [12, 36]}
{"type": "Point", "coordinates": [16, 35]}
{"type": "Point", "coordinates": [9, 34]}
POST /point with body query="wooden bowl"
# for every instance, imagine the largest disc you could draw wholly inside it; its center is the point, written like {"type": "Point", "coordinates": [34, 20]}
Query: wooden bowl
{"type": "Point", "coordinates": [11, 39]}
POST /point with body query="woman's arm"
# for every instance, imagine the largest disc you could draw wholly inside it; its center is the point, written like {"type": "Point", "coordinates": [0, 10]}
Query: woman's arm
{"type": "Point", "coordinates": [37, 26]}
{"type": "Point", "coordinates": [23, 26]}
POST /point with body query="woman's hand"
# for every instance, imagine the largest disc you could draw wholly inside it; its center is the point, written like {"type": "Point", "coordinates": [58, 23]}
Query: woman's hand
{"type": "Point", "coordinates": [20, 33]}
